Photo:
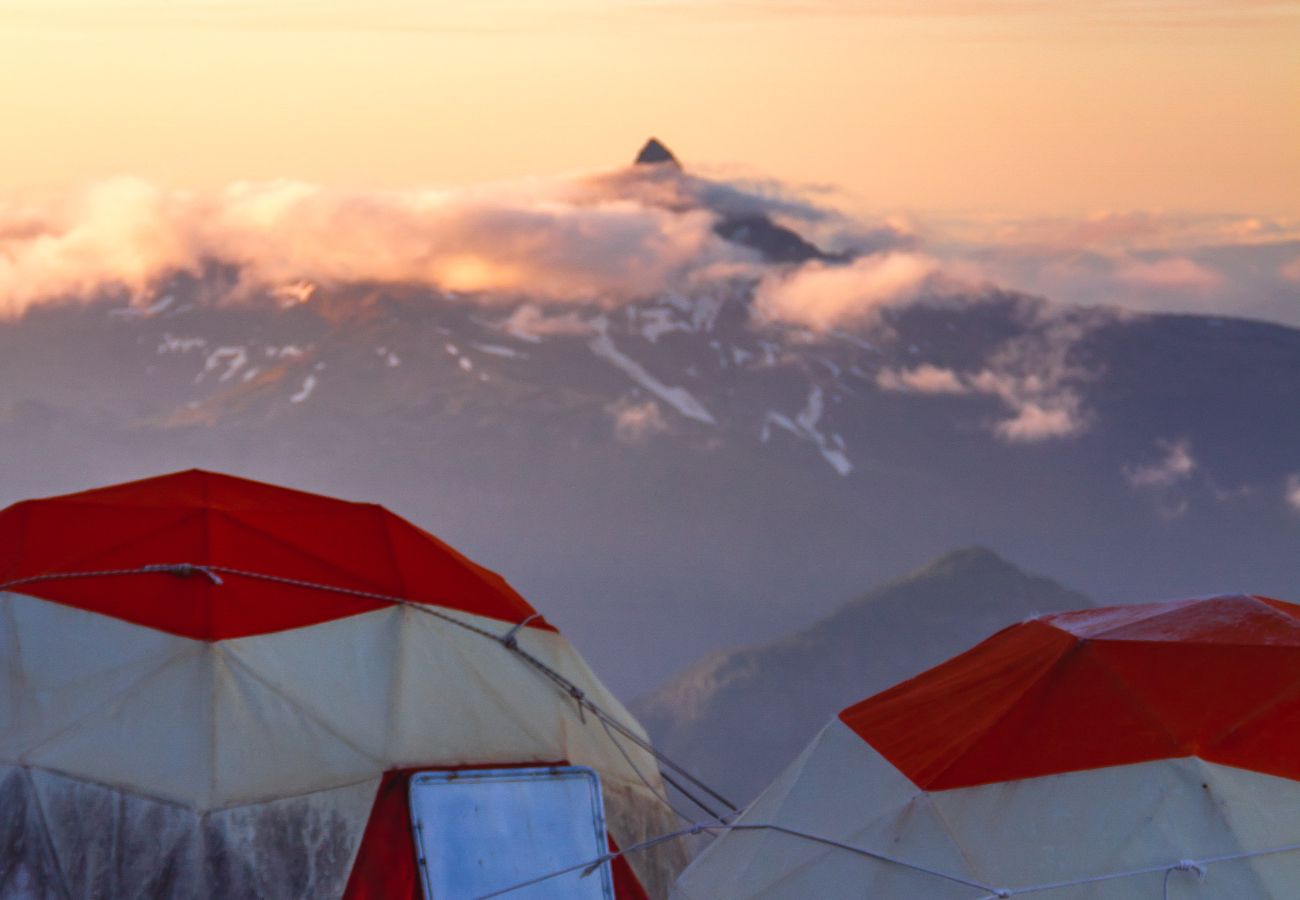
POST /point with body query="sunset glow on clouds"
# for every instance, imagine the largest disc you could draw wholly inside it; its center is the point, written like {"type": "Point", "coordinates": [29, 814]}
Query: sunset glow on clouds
{"type": "Point", "coordinates": [128, 234]}
{"type": "Point", "coordinates": [822, 295]}
{"type": "Point", "coordinates": [618, 235]}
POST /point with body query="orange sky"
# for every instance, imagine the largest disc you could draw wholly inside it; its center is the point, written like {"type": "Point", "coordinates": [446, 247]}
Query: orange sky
{"type": "Point", "coordinates": [1046, 106]}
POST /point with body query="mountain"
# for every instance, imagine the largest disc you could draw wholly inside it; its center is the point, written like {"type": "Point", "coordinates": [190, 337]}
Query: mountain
{"type": "Point", "coordinates": [654, 152]}
{"type": "Point", "coordinates": [690, 467]}
{"type": "Point", "coordinates": [738, 717]}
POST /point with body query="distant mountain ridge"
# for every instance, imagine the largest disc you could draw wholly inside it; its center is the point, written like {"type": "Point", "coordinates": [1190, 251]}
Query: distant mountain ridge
{"type": "Point", "coordinates": [738, 717]}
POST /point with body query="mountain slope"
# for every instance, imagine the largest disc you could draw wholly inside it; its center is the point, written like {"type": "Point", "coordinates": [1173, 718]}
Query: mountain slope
{"type": "Point", "coordinates": [738, 717]}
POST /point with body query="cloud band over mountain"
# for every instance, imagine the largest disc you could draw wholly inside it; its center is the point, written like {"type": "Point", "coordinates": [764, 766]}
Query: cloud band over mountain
{"type": "Point", "coordinates": [608, 238]}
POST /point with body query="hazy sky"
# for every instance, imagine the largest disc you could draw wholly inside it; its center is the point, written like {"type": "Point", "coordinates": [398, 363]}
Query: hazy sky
{"type": "Point", "coordinates": [997, 105]}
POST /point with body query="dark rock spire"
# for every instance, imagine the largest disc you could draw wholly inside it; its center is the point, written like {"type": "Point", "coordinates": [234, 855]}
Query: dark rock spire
{"type": "Point", "coordinates": [654, 152]}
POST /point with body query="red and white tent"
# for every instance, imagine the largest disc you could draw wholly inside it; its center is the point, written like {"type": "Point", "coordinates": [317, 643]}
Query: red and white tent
{"type": "Point", "coordinates": [209, 687]}
{"type": "Point", "coordinates": [1133, 752]}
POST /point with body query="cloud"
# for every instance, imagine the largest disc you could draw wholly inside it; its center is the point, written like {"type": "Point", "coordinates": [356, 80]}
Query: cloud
{"type": "Point", "coordinates": [1175, 466]}
{"type": "Point", "coordinates": [1041, 409]}
{"type": "Point", "coordinates": [1291, 491]}
{"type": "Point", "coordinates": [635, 423]}
{"type": "Point", "coordinates": [611, 237]}
{"type": "Point", "coordinates": [824, 296]}
{"type": "Point", "coordinates": [923, 379]}
{"type": "Point", "coordinates": [558, 240]}
{"type": "Point", "coordinates": [1037, 376]}
{"type": "Point", "coordinates": [1032, 375]}
{"type": "Point", "coordinates": [122, 232]}
{"type": "Point", "coordinates": [1115, 231]}
{"type": "Point", "coordinates": [1174, 272]}
{"type": "Point", "coordinates": [531, 323]}
{"type": "Point", "coordinates": [601, 238]}
{"type": "Point", "coordinates": [1033, 422]}
{"type": "Point", "coordinates": [1149, 262]}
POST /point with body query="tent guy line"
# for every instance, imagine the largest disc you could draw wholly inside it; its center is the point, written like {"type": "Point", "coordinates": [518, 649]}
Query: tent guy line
{"type": "Point", "coordinates": [508, 640]}
{"type": "Point", "coordinates": [641, 775]}
{"type": "Point", "coordinates": [592, 865]}
{"type": "Point", "coordinates": [720, 824]}
{"type": "Point", "coordinates": [1196, 866]}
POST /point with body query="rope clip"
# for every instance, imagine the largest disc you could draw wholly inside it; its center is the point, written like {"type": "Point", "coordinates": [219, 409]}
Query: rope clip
{"type": "Point", "coordinates": [184, 570]}
{"type": "Point", "coordinates": [508, 640]}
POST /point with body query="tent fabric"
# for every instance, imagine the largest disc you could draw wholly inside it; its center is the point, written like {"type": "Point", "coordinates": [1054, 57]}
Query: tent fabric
{"type": "Point", "coordinates": [1065, 748]}
{"type": "Point", "coordinates": [1100, 688]}
{"type": "Point", "coordinates": [63, 836]}
{"type": "Point", "coordinates": [1011, 834]}
{"type": "Point", "coordinates": [207, 519]}
{"type": "Point", "coordinates": [248, 750]}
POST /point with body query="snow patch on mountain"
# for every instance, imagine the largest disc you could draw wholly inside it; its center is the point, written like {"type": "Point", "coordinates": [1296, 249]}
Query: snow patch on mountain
{"type": "Point", "coordinates": [233, 359]}
{"type": "Point", "coordinates": [678, 398]}
{"type": "Point", "coordinates": [500, 350]}
{"type": "Point", "coordinates": [288, 351]}
{"type": "Point", "coordinates": [308, 385]}
{"type": "Point", "coordinates": [658, 321]}
{"type": "Point", "coordinates": [162, 304]}
{"type": "Point", "coordinates": [172, 344]}
{"type": "Point", "coordinates": [804, 426]}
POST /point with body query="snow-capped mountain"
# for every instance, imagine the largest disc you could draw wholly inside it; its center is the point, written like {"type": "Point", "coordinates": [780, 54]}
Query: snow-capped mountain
{"type": "Point", "coordinates": [683, 470]}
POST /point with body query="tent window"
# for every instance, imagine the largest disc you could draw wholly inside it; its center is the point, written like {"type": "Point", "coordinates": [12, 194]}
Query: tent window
{"type": "Point", "coordinates": [482, 830]}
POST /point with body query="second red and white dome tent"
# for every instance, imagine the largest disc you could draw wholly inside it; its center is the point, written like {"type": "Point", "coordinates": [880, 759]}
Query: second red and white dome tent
{"type": "Point", "coordinates": [245, 727]}
{"type": "Point", "coordinates": [1132, 752]}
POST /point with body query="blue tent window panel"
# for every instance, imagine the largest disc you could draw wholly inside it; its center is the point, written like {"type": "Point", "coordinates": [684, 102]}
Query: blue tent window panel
{"type": "Point", "coordinates": [483, 830]}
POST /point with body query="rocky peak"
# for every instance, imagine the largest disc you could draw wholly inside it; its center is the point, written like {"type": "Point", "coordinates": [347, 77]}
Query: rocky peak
{"type": "Point", "coordinates": [654, 153]}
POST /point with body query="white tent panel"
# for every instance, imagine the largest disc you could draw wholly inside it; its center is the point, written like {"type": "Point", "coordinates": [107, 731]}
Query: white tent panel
{"type": "Point", "coordinates": [464, 699]}
{"type": "Point", "coordinates": [265, 745]}
{"type": "Point", "coordinates": [59, 665]}
{"type": "Point", "coordinates": [1265, 812]}
{"type": "Point", "coordinates": [1018, 834]}
{"type": "Point", "coordinates": [460, 690]}
{"type": "Point", "coordinates": [1080, 825]}
{"type": "Point", "coordinates": [154, 738]}
{"type": "Point", "coordinates": [340, 673]}
{"type": "Point", "coordinates": [837, 789]}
